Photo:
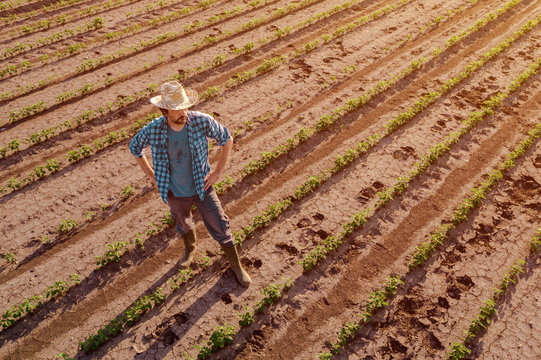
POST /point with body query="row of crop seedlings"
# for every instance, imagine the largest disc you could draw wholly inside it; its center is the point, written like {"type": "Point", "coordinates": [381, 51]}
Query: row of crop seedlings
{"type": "Point", "coordinates": [62, 19]}
{"type": "Point", "coordinates": [19, 47]}
{"type": "Point", "coordinates": [45, 9]}
{"type": "Point", "coordinates": [460, 351]}
{"type": "Point", "coordinates": [275, 210]}
{"type": "Point", "coordinates": [53, 165]}
{"type": "Point", "coordinates": [68, 227]}
{"type": "Point", "coordinates": [31, 110]}
{"type": "Point", "coordinates": [30, 305]}
{"type": "Point", "coordinates": [14, 4]}
{"type": "Point", "coordinates": [460, 215]}
{"type": "Point", "coordinates": [75, 48]}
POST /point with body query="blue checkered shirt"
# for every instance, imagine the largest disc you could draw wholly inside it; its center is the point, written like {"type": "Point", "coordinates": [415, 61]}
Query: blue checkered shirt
{"type": "Point", "coordinates": [199, 126]}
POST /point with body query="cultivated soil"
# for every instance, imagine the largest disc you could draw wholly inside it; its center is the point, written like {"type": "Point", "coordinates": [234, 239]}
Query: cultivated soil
{"type": "Point", "coordinates": [438, 300]}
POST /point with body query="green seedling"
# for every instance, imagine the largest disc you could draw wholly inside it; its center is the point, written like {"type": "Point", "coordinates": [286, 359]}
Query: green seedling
{"type": "Point", "coordinates": [222, 336]}
{"type": "Point", "coordinates": [66, 226]}
{"type": "Point", "coordinates": [128, 191]}
{"type": "Point", "coordinates": [9, 257]}
{"type": "Point", "coordinates": [203, 261]}
{"type": "Point", "coordinates": [89, 215]}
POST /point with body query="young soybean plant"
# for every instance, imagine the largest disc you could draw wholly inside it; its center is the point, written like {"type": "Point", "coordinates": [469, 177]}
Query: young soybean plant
{"type": "Point", "coordinates": [222, 336]}
{"type": "Point", "coordinates": [128, 191]}
{"type": "Point", "coordinates": [9, 257]}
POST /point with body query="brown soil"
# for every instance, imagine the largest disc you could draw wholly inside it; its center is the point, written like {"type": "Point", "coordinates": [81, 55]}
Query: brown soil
{"type": "Point", "coordinates": [438, 300]}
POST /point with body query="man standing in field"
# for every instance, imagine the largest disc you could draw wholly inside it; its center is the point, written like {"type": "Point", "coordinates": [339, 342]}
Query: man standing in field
{"type": "Point", "coordinates": [181, 169]}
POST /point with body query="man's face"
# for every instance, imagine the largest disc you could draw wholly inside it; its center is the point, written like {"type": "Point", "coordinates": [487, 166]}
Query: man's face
{"type": "Point", "coordinates": [177, 116]}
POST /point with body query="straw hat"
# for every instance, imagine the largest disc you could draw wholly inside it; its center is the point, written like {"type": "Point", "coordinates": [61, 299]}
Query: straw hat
{"type": "Point", "coordinates": [174, 96]}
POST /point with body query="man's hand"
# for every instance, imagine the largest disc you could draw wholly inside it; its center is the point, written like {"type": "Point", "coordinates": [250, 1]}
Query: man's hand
{"type": "Point", "coordinates": [212, 178]}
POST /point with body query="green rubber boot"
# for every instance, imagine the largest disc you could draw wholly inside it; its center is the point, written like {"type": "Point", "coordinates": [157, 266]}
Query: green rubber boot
{"type": "Point", "coordinates": [232, 256]}
{"type": "Point", "coordinates": [190, 245]}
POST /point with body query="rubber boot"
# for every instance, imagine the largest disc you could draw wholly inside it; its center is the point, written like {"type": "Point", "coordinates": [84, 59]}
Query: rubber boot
{"type": "Point", "coordinates": [232, 256]}
{"type": "Point", "coordinates": [190, 244]}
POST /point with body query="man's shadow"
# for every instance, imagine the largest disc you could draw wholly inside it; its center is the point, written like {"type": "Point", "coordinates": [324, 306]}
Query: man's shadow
{"type": "Point", "coordinates": [173, 328]}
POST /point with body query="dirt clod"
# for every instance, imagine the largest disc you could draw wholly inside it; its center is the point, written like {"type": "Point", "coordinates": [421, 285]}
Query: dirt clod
{"type": "Point", "coordinates": [443, 302]}
{"type": "Point", "coordinates": [397, 347]}
{"type": "Point", "coordinates": [226, 299]}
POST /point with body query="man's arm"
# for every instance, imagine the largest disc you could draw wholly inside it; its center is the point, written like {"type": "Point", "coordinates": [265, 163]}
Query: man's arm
{"type": "Point", "coordinates": [137, 144]}
{"type": "Point", "coordinates": [143, 163]}
{"type": "Point", "coordinates": [218, 171]}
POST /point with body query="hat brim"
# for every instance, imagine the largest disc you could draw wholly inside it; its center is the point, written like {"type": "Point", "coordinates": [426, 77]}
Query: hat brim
{"type": "Point", "coordinates": [190, 94]}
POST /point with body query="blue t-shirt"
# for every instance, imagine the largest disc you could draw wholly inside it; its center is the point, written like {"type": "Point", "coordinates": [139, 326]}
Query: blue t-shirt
{"type": "Point", "coordinates": [180, 163]}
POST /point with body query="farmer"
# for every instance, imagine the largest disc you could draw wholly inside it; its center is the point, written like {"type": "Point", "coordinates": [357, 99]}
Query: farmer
{"type": "Point", "coordinates": [181, 169]}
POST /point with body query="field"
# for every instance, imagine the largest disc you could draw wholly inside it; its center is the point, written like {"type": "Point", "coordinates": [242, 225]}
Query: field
{"type": "Point", "coordinates": [384, 187]}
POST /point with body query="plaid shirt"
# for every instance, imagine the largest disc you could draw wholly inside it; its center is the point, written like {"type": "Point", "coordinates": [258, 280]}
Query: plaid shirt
{"type": "Point", "coordinates": [199, 126]}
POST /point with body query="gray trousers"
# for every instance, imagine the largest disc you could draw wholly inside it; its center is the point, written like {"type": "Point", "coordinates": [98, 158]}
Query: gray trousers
{"type": "Point", "coordinates": [211, 211]}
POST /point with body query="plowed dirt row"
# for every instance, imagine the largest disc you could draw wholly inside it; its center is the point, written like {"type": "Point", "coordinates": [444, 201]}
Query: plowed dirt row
{"type": "Point", "coordinates": [517, 320]}
{"type": "Point", "coordinates": [315, 308]}
{"type": "Point", "coordinates": [38, 6]}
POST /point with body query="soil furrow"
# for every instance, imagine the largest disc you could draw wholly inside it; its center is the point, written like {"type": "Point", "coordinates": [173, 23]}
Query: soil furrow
{"type": "Point", "coordinates": [512, 334]}
{"type": "Point", "coordinates": [108, 14]}
{"type": "Point", "coordinates": [261, 113]}
{"type": "Point", "coordinates": [30, 8]}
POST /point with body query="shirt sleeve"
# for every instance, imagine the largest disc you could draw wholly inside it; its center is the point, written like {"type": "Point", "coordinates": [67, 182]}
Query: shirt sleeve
{"type": "Point", "coordinates": [217, 131]}
{"type": "Point", "coordinates": [139, 142]}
